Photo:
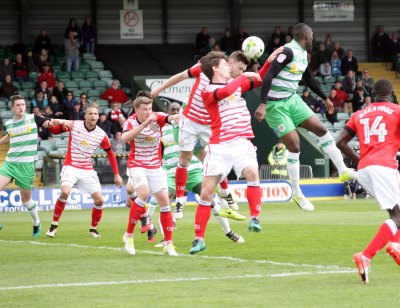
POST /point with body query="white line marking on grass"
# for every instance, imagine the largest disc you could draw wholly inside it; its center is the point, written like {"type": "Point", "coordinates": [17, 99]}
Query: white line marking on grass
{"type": "Point", "coordinates": [178, 279]}
{"type": "Point", "coordinates": [228, 258]}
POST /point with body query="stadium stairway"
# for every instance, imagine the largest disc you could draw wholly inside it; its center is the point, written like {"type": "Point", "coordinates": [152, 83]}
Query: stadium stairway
{"type": "Point", "coordinates": [3, 152]}
{"type": "Point", "coordinates": [378, 70]}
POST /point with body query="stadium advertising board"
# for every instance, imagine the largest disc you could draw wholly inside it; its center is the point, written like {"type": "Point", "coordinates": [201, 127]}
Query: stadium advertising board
{"type": "Point", "coordinates": [328, 11]}
{"type": "Point", "coordinates": [180, 91]}
{"type": "Point", "coordinates": [272, 191]}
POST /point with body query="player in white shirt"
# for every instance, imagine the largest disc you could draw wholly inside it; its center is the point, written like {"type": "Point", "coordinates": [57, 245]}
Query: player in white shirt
{"type": "Point", "coordinates": [143, 131]}
{"type": "Point", "coordinates": [84, 140]}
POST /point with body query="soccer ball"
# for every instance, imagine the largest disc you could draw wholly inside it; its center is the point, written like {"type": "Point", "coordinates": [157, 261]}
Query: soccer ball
{"type": "Point", "coordinates": [253, 47]}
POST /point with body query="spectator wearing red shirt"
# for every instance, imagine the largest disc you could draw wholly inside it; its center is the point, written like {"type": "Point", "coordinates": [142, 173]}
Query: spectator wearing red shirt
{"type": "Point", "coordinates": [114, 94]}
{"type": "Point", "coordinates": [47, 75]}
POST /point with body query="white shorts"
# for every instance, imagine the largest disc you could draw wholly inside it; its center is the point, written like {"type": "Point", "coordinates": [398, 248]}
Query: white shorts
{"type": "Point", "coordinates": [221, 158]}
{"type": "Point", "coordinates": [383, 183]}
{"type": "Point", "coordinates": [191, 132]}
{"type": "Point", "coordinates": [155, 179]}
{"type": "Point", "coordinates": [86, 180]}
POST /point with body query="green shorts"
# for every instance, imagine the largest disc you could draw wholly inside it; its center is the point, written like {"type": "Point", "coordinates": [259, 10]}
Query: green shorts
{"type": "Point", "coordinates": [285, 115]}
{"type": "Point", "coordinates": [22, 173]}
{"type": "Point", "coordinates": [195, 177]}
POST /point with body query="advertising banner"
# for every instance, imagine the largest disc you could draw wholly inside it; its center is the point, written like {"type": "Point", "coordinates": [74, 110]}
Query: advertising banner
{"type": "Point", "coordinates": [180, 91]}
{"type": "Point", "coordinates": [340, 10]}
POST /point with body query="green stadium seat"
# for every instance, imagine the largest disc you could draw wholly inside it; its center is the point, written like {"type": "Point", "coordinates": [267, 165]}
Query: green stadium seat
{"type": "Point", "coordinates": [84, 66]}
{"type": "Point", "coordinates": [17, 84]}
{"type": "Point", "coordinates": [99, 84]}
{"type": "Point", "coordinates": [92, 75]}
{"type": "Point", "coordinates": [97, 65]}
{"type": "Point", "coordinates": [64, 76]}
{"type": "Point", "coordinates": [28, 85]}
{"type": "Point", "coordinates": [33, 75]}
{"type": "Point", "coordinates": [49, 145]}
{"type": "Point", "coordinates": [77, 75]}
{"type": "Point", "coordinates": [94, 92]}
{"type": "Point", "coordinates": [105, 73]}
{"type": "Point", "coordinates": [85, 84]}
{"type": "Point", "coordinates": [89, 56]}
{"type": "Point", "coordinates": [71, 84]}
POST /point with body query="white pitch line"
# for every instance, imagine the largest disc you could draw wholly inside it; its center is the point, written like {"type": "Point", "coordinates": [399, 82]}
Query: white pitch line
{"type": "Point", "coordinates": [228, 258]}
{"type": "Point", "coordinates": [179, 279]}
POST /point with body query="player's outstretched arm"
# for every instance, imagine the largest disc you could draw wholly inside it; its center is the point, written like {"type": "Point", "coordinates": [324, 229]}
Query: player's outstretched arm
{"type": "Point", "coordinates": [128, 135]}
{"type": "Point", "coordinates": [169, 83]}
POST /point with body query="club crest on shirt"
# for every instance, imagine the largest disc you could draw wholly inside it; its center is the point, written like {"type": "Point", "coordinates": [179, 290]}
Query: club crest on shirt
{"type": "Point", "coordinates": [84, 145]}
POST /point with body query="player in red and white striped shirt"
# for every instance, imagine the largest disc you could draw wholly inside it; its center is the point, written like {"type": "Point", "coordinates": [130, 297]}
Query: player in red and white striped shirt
{"type": "Point", "coordinates": [143, 131]}
{"type": "Point", "coordinates": [83, 141]}
{"type": "Point", "coordinates": [195, 122]}
{"type": "Point", "coordinates": [229, 143]}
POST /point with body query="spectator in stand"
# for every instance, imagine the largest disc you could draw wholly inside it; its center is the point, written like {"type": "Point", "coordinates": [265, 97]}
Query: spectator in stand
{"type": "Point", "coordinates": [316, 105]}
{"type": "Point", "coordinates": [349, 63]}
{"type": "Point", "coordinates": [216, 47]}
{"type": "Point", "coordinates": [358, 99]}
{"type": "Point", "coordinates": [340, 92]}
{"type": "Point", "coordinates": [349, 82]}
{"type": "Point", "coordinates": [202, 47]}
{"type": "Point", "coordinates": [338, 101]}
{"type": "Point", "coordinates": [7, 89]}
{"type": "Point", "coordinates": [359, 84]}
{"type": "Point", "coordinates": [227, 42]}
{"type": "Point", "coordinates": [288, 39]}
{"type": "Point", "coordinates": [336, 64]}
{"type": "Point", "coordinates": [73, 26]}
{"type": "Point", "coordinates": [240, 36]}
{"type": "Point", "coordinates": [104, 124]}
{"type": "Point", "coordinates": [39, 101]}
{"type": "Point", "coordinates": [328, 43]}
{"type": "Point", "coordinates": [89, 33]}
{"type": "Point", "coordinates": [56, 107]}
{"type": "Point", "coordinates": [379, 43]}
{"type": "Point", "coordinates": [367, 81]}
{"type": "Point", "coordinates": [83, 101]}
{"type": "Point", "coordinates": [60, 91]}
{"type": "Point", "coordinates": [275, 44]}
{"type": "Point", "coordinates": [117, 117]}
{"type": "Point", "coordinates": [117, 144]}
{"type": "Point", "coordinates": [338, 49]}
{"type": "Point", "coordinates": [367, 101]}
{"type": "Point", "coordinates": [43, 87]}
{"type": "Point", "coordinates": [324, 70]}
{"type": "Point", "coordinates": [71, 46]}
{"type": "Point", "coordinates": [77, 113]}
{"type": "Point", "coordinates": [393, 46]}
{"type": "Point", "coordinates": [20, 69]}
{"type": "Point", "coordinates": [114, 94]}
{"type": "Point", "coordinates": [322, 55]}
{"type": "Point", "coordinates": [6, 68]}
{"type": "Point", "coordinates": [47, 75]}
{"type": "Point", "coordinates": [30, 62]}
{"type": "Point", "coordinates": [42, 58]}
{"type": "Point", "coordinates": [69, 103]}
{"type": "Point", "coordinates": [42, 42]}
{"type": "Point", "coordinates": [48, 112]}
{"type": "Point", "coordinates": [290, 32]}
{"type": "Point", "coordinates": [277, 33]}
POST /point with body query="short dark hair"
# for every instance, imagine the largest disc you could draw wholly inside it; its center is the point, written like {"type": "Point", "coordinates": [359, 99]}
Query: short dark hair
{"type": "Point", "coordinates": [143, 93]}
{"type": "Point", "coordinates": [240, 57]}
{"type": "Point", "coordinates": [141, 100]}
{"type": "Point", "coordinates": [15, 98]}
{"type": "Point", "coordinates": [382, 89]}
{"type": "Point", "coordinates": [213, 58]}
{"type": "Point", "coordinates": [300, 31]}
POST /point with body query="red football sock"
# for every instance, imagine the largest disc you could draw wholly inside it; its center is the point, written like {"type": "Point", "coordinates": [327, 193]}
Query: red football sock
{"type": "Point", "coordinates": [166, 223]}
{"type": "Point", "coordinates": [135, 212]}
{"type": "Point", "coordinates": [380, 239]}
{"type": "Point", "coordinates": [203, 214]}
{"type": "Point", "coordinates": [224, 184]}
{"type": "Point", "coordinates": [58, 209]}
{"type": "Point", "coordinates": [97, 212]}
{"type": "Point", "coordinates": [253, 194]}
{"type": "Point", "coordinates": [181, 175]}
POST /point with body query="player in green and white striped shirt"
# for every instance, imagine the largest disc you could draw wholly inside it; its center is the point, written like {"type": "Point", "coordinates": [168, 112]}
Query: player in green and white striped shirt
{"type": "Point", "coordinates": [22, 134]}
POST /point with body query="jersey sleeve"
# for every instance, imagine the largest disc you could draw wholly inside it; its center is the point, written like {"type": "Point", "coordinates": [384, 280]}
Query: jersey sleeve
{"type": "Point", "coordinates": [231, 87]}
{"type": "Point", "coordinates": [105, 143]}
{"type": "Point", "coordinates": [127, 125]}
{"type": "Point", "coordinates": [40, 120]}
{"type": "Point", "coordinates": [195, 70]}
{"type": "Point", "coordinates": [208, 97]}
{"type": "Point", "coordinates": [161, 118]}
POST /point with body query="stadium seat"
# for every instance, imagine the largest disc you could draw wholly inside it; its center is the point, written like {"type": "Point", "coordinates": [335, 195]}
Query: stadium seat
{"type": "Point", "coordinates": [17, 84]}
{"type": "Point", "coordinates": [49, 145]}
{"type": "Point", "coordinates": [105, 74]}
{"type": "Point", "coordinates": [94, 92]}
{"type": "Point", "coordinates": [89, 57]}
{"type": "Point", "coordinates": [99, 84]}
{"type": "Point", "coordinates": [92, 75]}
{"type": "Point", "coordinates": [28, 85]}
{"type": "Point", "coordinates": [33, 75]}
{"type": "Point", "coordinates": [71, 85]}
{"type": "Point", "coordinates": [64, 76]}
{"type": "Point", "coordinates": [97, 66]}
{"type": "Point", "coordinates": [77, 75]}
{"type": "Point", "coordinates": [84, 66]}
{"type": "Point", "coordinates": [343, 116]}
{"type": "Point", "coordinates": [85, 84]}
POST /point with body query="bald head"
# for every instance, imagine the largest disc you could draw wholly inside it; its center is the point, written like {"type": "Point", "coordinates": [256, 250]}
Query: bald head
{"type": "Point", "coordinates": [303, 34]}
{"type": "Point", "coordinates": [383, 90]}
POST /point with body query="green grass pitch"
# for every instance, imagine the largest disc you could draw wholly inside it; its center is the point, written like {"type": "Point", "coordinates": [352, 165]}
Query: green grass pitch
{"type": "Point", "coordinates": [299, 259]}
